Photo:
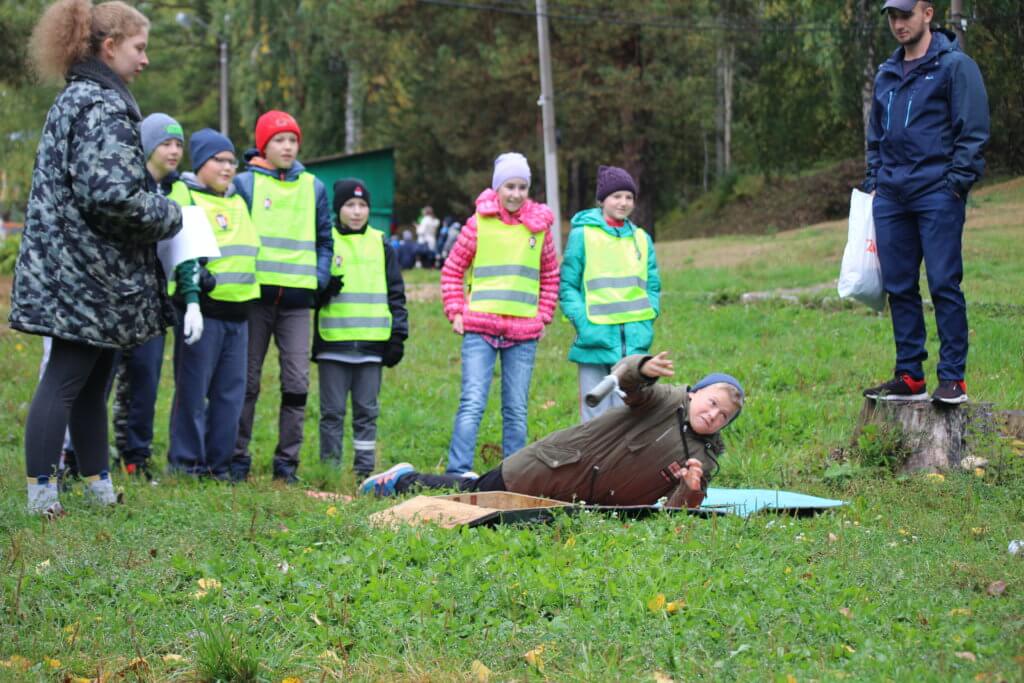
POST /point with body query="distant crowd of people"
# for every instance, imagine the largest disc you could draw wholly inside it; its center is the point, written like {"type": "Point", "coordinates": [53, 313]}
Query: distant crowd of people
{"type": "Point", "coordinates": [431, 244]}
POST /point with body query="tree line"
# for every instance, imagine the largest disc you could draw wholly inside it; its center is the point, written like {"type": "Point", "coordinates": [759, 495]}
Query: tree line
{"type": "Point", "coordinates": [683, 93]}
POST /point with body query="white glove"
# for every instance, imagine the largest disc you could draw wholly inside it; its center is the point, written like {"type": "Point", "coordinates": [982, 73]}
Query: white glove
{"type": "Point", "coordinates": [193, 324]}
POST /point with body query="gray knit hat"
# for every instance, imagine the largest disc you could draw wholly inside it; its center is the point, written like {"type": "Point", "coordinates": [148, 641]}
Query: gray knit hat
{"type": "Point", "coordinates": [157, 128]}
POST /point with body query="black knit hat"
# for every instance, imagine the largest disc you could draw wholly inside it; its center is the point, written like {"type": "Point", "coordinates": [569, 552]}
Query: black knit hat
{"type": "Point", "coordinates": [347, 188]}
{"type": "Point", "coordinates": [611, 179]}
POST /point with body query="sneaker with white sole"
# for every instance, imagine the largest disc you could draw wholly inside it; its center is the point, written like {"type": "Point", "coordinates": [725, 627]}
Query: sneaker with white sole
{"type": "Point", "coordinates": [43, 498]}
{"type": "Point", "coordinates": [100, 490]}
{"type": "Point", "coordinates": [902, 387]}
{"type": "Point", "coordinates": [951, 391]}
{"type": "Point", "coordinates": [383, 484]}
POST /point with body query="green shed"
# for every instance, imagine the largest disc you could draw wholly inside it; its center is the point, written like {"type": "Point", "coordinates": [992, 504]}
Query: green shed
{"type": "Point", "coordinates": [375, 168]}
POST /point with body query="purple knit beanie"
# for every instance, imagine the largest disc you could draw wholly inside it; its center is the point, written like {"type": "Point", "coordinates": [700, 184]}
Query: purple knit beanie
{"type": "Point", "coordinates": [612, 179]}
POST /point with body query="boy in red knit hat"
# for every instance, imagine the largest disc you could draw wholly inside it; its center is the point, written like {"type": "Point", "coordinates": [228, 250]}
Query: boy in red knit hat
{"type": "Point", "coordinates": [292, 216]}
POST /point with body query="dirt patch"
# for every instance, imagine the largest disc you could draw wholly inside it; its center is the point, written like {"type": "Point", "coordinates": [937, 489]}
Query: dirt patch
{"type": "Point", "coordinates": [423, 291]}
{"type": "Point", "coordinates": [780, 204]}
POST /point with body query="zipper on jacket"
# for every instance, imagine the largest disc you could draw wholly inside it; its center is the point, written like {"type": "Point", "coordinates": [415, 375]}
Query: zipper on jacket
{"type": "Point", "coordinates": [622, 334]}
{"type": "Point", "coordinates": [910, 102]}
{"type": "Point", "coordinates": [888, 110]}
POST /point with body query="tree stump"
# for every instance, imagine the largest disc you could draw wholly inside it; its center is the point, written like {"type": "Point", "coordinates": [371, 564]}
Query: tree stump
{"type": "Point", "coordinates": [937, 437]}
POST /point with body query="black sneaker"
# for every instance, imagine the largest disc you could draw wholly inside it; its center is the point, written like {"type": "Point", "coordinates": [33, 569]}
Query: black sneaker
{"type": "Point", "coordinates": [289, 478]}
{"type": "Point", "coordinates": [951, 391]}
{"type": "Point", "coordinates": [902, 387]}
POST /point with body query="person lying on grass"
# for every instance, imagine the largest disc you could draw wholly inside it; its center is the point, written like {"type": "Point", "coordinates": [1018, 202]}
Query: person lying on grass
{"type": "Point", "coordinates": [663, 442]}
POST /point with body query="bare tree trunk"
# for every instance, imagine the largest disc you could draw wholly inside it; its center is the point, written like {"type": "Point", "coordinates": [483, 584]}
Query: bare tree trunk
{"type": "Point", "coordinates": [355, 96]}
{"type": "Point", "coordinates": [865, 16]}
{"type": "Point", "coordinates": [707, 162]}
{"type": "Point", "coordinates": [956, 14]}
{"type": "Point", "coordinates": [725, 66]}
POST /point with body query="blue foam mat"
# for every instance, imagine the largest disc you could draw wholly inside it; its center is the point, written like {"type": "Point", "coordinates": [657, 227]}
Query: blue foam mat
{"type": "Point", "coordinates": [745, 502]}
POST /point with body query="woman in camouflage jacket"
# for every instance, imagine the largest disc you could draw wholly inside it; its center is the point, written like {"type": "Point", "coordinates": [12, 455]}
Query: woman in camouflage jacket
{"type": "Point", "coordinates": [87, 273]}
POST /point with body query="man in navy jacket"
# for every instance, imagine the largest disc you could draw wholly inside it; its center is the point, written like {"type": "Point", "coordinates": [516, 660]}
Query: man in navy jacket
{"type": "Point", "coordinates": [928, 130]}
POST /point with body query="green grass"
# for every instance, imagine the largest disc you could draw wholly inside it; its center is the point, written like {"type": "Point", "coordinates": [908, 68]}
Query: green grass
{"type": "Point", "coordinates": [892, 587]}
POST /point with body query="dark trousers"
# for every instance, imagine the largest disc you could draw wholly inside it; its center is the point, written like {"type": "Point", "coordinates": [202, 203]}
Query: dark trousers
{"type": "Point", "coordinates": [337, 382]}
{"type": "Point", "coordinates": [491, 481]}
{"type": "Point", "coordinates": [928, 227]}
{"type": "Point", "coordinates": [138, 380]}
{"type": "Point", "coordinates": [290, 329]}
{"type": "Point", "coordinates": [71, 395]}
{"type": "Point", "coordinates": [209, 387]}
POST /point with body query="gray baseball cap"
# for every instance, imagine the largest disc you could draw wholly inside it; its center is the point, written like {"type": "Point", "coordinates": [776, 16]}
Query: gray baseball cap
{"type": "Point", "coordinates": [901, 5]}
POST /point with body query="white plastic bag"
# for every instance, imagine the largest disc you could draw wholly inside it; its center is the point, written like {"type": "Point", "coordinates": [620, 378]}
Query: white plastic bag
{"type": "Point", "coordinates": [860, 277]}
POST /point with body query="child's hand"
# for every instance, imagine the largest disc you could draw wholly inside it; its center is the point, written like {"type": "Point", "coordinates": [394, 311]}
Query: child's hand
{"type": "Point", "coordinates": [658, 366]}
{"type": "Point", "coordinates": [457, 327]}
{"type": "Point", "coordinates": [693, 475]}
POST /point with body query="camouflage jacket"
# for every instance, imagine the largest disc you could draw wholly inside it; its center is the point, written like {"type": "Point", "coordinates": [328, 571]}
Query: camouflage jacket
{"type": "Point", "coordinates": [87, 271]}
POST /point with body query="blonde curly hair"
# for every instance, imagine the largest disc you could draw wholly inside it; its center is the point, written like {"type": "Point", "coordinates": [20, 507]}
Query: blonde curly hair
{"type": "Point", "coordinates": [71, 31]}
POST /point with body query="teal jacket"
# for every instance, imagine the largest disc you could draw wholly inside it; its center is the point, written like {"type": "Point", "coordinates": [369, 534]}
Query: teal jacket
{"type": "Point", "coordinates": [603, 344]}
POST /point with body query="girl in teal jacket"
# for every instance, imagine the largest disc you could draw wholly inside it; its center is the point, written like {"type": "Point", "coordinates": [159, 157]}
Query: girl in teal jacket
{"type": "Point", "coordinates": [610, 289]}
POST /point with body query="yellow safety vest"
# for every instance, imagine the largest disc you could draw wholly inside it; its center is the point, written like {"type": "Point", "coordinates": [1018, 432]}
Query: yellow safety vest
{"type": "Point", "coordinates": [179, 193]}
{"type": "Point", "coordinates": [360, 311]}
{"type": "Point", "coordinates": [284, 213]}
{"type": "Point", "coordinates": [615, 277]}
{"type": "Point", "coordinates": [506, 269]}
{"type": "Point", "coordinates": [235, 270]}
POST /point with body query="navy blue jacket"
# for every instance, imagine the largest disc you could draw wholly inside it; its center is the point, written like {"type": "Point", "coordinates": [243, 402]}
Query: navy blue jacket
{"type": "Point", "coordinates": [927, 131]}
{"type": "Point", "coordinates": [290, 297]}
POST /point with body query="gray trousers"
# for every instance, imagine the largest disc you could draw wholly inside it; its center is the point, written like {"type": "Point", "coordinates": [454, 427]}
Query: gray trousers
{"type": "Point", "coordinates": [290, 329]}
{"type": "Point", "coordinates": [337, 380]}
{"type": "Point", "coordinates": [590, 375]}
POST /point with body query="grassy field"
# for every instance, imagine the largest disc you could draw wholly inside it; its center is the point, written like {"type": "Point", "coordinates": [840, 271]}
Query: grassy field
{"type": "Point", "coordinates": [202, 581]}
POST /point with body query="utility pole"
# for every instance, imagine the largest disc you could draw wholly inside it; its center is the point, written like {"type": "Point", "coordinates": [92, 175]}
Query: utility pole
{"type": "Point", "coordinates": [547, 104]}
{"type": "Point", "coordinates": [224, 84]}
{"type": "Point", "coordinates": [956, 17]}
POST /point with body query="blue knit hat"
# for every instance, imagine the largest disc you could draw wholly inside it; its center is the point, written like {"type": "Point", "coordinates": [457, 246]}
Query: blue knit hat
{"type": "Point", "coordinates": [204, 144]}
{"type": "Point", "coordinates": [158, 128]}
{"type": "Point", "coordinates": [721, 378]}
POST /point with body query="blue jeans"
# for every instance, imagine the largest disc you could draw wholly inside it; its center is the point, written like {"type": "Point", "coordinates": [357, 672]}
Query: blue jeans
{"type": "Point", "coordinates": [928, 227]}
{"type": "Point", "coordinates": [478, 358]}
{"type": "Point", "coordinates": [209, 389]}
{"type": "Point", "coordinates": [142, 375]}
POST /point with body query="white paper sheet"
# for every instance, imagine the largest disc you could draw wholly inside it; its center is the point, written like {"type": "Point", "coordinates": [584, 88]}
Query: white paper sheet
{"type": "Point", "coordinates": [195, 240]}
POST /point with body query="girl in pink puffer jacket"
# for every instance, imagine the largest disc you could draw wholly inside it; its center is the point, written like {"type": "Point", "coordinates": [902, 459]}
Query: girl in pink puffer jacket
{"type": "Point", "coordinates": [513, 291]}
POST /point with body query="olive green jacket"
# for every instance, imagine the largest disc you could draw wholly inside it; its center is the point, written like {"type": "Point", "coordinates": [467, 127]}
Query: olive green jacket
{"type": "Point", "coordinates": [631, 455]}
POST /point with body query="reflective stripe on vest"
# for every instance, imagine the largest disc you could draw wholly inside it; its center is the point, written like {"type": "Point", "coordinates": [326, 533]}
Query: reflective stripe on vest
{"type": "Point", "coordinates": [235, 270]}
{"type": "Point", "coordinates": [506, 269]}
{"type": "Point", "coordinates": [615, 277]}
{"type": "Point", "coordinates": [284, 214]}
{"type": "Point", "coordinates": [360, 312]}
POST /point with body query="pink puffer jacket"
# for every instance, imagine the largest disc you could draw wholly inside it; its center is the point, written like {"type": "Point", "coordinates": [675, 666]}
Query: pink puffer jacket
{"type": "Point", "coordinates": [537, 218]}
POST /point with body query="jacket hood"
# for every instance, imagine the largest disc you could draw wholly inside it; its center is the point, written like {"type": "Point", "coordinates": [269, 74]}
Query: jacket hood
{"type": "Point", "coordinates": [595, 216]}
{"type": "Point", "coordinates": [535, 216]}
{"type": "Point", "coordinates": [942, 41]}
{"type": "Point", "coordinates": [192, 181]}
{"type": "Point", "coordinates": [258, 164]}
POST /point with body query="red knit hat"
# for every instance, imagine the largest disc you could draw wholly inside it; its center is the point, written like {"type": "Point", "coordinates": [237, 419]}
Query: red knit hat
{"type": "Point", "coordinates": [272, 123]}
